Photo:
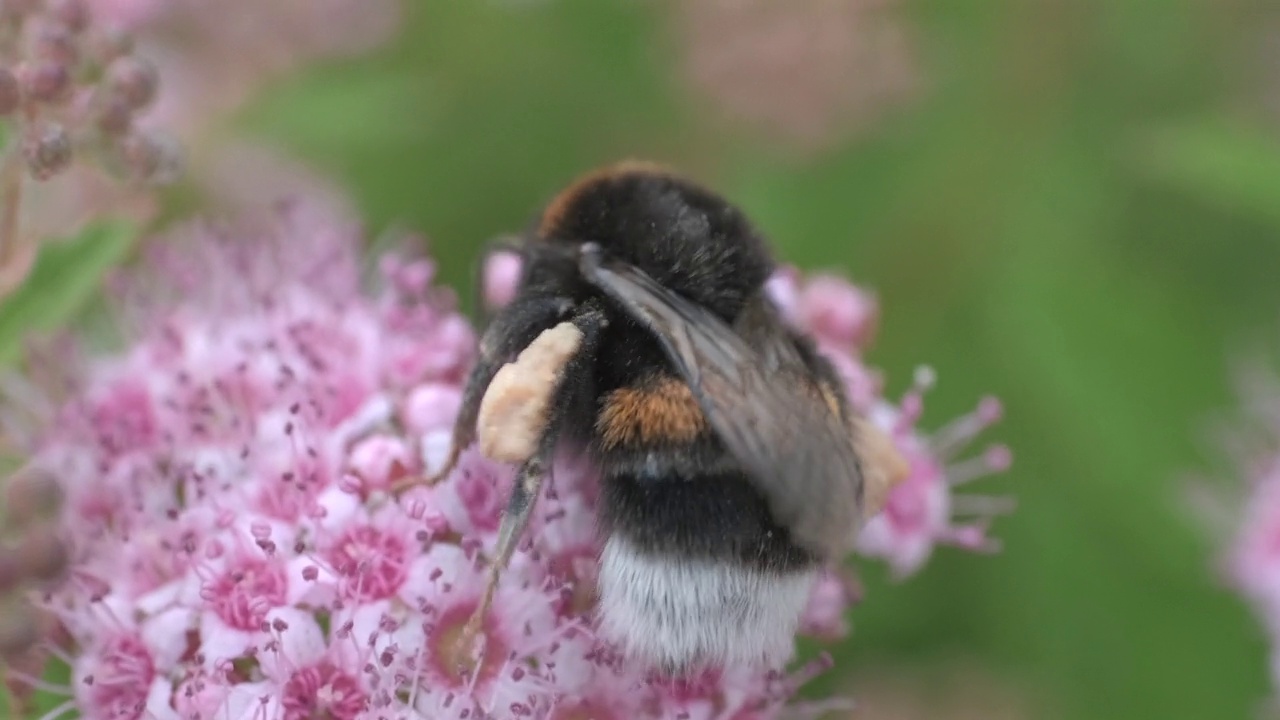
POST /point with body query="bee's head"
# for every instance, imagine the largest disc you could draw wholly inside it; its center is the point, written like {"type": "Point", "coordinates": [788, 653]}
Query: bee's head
{"type": "Point", "coordinates": [686, 237]}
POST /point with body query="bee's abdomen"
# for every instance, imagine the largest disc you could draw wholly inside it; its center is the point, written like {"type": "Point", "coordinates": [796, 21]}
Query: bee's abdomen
{"type": "Point", "coordinates": [713, 515]}
{"type": "Point", "coordinates": [694, 570]}
{"type": "Point", "coordinates": [669, 487]}
{"type": "Point", "coordinates": [681, 613]}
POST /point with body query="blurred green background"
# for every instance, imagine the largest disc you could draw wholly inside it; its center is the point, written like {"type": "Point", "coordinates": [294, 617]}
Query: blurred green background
{"type": "Point", "coordinates": [1076, 209]}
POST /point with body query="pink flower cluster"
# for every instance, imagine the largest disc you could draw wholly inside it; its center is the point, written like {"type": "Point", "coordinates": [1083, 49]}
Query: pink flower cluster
{"type": "Point", "coordinates": [807, 74]}
{"type": "Point", "coordinates": [234, 551]}
{"type": "Point", "coordinates": [1253, 562]}
{"type": "Point", "coordinates": [1250, 521]}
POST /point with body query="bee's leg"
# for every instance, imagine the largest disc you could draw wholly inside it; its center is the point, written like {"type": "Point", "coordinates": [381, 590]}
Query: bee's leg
{"type": "Point", "coordinates": [524, 494]}
{"type": "Point", "coordinates": [512, 328]}
{"type": "Point", "coordinates": [590, 319]}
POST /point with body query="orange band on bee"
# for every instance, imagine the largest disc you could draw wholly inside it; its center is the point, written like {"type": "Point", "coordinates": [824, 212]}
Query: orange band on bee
{"type": "Point", "coordinates": [660, 412]}
{"type": "Point", "coordinates": [556, 211]}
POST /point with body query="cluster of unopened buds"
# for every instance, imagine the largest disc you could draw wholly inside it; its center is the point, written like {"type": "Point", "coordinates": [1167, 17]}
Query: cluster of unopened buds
{"type": "Point", "coordinates": [234, 552]}
{"type": "Point", "coordinates": [71, 94]}
{"type": "Point", "coordinates": [72, 88]}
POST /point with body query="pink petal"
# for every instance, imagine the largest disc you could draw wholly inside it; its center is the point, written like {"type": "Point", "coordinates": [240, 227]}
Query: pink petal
{"type": "Point", "coordinates": [160, 701]}
{"type": "Point", "coordinates": [166, 636]}
{"type": "Point", "coordinates": [251, 701]}
{"type": "Point", "coordinates": [220, 642]}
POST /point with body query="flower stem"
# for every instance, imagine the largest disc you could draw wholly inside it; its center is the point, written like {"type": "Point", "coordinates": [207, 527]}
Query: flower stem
{"type": "Point", "coordinates": [10, 202]}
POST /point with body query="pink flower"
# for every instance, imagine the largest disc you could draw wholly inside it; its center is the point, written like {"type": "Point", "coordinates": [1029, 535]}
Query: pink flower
{"type": "Point", "coordinates": [1252, 563]}
{"type": "Point", "coordinates": [832, 595]}
{"type": "Point", "coordinates": [920, 510]}
{"type": "Point", "coordinates": [234, 552]}
{"type": "Point", "coordinates": [1245, 515]}
{"type": "Point", "coordinates": [829, 307]}
{"type": "Point", "coordinates": [809, 74]}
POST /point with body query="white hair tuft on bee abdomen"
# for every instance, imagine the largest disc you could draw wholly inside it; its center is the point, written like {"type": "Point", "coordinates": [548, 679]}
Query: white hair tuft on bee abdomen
{"type": "Point", "coordinates": [676, 612]}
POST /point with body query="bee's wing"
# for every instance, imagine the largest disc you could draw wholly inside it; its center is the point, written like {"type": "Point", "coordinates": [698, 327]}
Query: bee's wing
{"type": "Point", "coordinates": [761, 401]}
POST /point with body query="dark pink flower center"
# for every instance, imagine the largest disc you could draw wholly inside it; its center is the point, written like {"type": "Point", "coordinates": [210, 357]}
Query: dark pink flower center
{"type": "Point", "coordinates": [122, 679]}
{"type": "Point", "coordinates": [577, 570]}
{"type": "Point", "coordinates": [243, 594]}
{"type": "Point", "coordinates": [482, 496]}
{"type": "Point", "coordinates": [125, 420]}
{"type": "Point", "coordinates": [906, 510]}
{"type": "Point", "coordinates": [373, 564]}
{"type": "Point", "coordinates": [322, 692]}
{"type": "Point", "coordinates": [345, 396]}
{"type": "Point", "coordinates": [908, 505]}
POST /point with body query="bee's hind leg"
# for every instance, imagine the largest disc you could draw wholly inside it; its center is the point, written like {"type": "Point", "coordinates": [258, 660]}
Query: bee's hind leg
{"type": "Point", "coordinates": [590, 320]}
{"type": "Point", "coordinates": [511, 329]}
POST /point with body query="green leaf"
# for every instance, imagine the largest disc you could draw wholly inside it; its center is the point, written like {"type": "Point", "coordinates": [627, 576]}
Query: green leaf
{"type": "Point", "coordinates": [64, 279]}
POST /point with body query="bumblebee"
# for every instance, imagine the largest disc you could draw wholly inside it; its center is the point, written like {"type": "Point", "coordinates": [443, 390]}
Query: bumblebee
{"type": "Point", "coordinates": [728, 455]}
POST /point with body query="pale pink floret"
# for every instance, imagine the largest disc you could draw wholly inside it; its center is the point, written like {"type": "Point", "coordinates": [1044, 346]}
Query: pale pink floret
{"type": "Point", "coordinates": [826, 615]}
{"type": "Point", "coordinates": [831, 309]}
{"type": "Point", "coordinates": [431, 406]}
{"type": "Point", "coordinates": [235, 550]}
{"type": "Point", "coordinates": [381, 460]}
{"type": "Point", "coordinates": [838, 312]}
{"type": "Point", "coordinates": [501, 278]}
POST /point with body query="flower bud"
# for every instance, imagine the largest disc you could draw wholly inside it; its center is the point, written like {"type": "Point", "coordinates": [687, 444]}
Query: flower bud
{"type": "Point", "coordinates": [47, 151]}
{"type": "Point", "coordinates": [45, 81]}
{"type": "Point", "coordinates": [11, 571]}
{"type": "Point", "coordinates": [54, 42]}
{"type": "Point", "coordinates": [16, 9]}
{"type": "Point", "coordinates": [113, 115]}
{"type": "Point", "coordinates": [151, 159]}
{"type": "Point", "coordinates": [32, 494]}
{"type": "Point", "coordinates": [134, 80]}
{"type": "Point", "coordinates": [10, 92]}
{"type": "Point", "coordinates": [41, 553]}
{"type": "Point", "coordinates": [108, 44]}
{"type": "Point", "coordinates": [18, 628]}
{"type": "Point", "coordinates": [72, 13]}
{"type": "Point", "coordinates": [501, 278]}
